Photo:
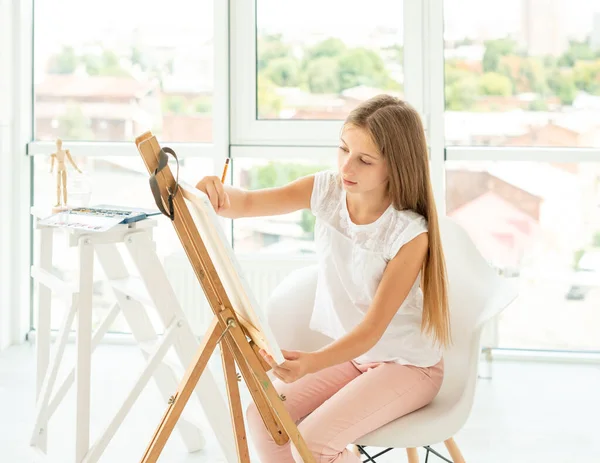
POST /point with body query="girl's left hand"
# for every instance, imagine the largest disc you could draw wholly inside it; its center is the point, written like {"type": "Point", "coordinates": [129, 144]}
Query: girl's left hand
{"type": "Point", "coordinates": [297, 364]}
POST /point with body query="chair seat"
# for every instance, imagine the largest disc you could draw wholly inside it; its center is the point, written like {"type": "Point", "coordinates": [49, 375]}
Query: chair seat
{"type": "Point", "coordinates": [436, 422]}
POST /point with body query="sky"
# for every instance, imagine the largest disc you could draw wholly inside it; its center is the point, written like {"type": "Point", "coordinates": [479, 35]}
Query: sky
{"type": "Point", "coordinates": [75, 21]}
{"type": "Point", "coordinates": [505, 15]}
{"type": "Point", "coordinates": [464, 17]}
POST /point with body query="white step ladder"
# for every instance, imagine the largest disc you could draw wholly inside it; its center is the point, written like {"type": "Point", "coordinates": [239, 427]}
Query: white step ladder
{"type": "Point", "coordinates": [135, 296]}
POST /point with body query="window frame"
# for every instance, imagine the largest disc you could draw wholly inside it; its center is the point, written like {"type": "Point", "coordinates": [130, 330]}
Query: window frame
{"type": "Point", "coordinates": [236, 132]}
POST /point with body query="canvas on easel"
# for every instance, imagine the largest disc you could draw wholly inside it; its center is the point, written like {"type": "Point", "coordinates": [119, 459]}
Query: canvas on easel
{"type": "Point", "coordinates": [238, 325]}
{"type": "Point", "coordinates": [250, 314]}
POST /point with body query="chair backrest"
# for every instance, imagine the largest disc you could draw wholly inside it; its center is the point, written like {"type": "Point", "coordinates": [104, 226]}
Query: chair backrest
{"type": "Point", "coordinates": [476, 293]}
{"type": "Point", "coordinates": [289, 310]}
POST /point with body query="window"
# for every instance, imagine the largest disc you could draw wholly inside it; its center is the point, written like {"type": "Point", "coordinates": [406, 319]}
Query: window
{"type": "Point", "coordinates": [101, 76]}
{"type": "Point", "coordinates": [539, 222]}
{"type": "Point", "coordinates": [320, 66]}
{"type": "Point", "coordinates": [522, 73]}
{"type": "Point", "coordinates": [296, 74]}
{"type": "Point", "coordinates": [288, 234]}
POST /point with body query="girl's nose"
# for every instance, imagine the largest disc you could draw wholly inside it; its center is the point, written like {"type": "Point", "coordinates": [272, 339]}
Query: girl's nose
{"type": "Point", "coordinates": [347, 164]}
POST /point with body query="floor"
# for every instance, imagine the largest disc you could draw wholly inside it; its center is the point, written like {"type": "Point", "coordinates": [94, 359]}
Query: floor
{"type": "Point", "coordinates": [528, 413]}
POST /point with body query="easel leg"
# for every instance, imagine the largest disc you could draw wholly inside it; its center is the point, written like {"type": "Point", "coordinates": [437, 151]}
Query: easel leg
{"type": "Point", "coordinates": [271, 394]}
{"type": "Point", "coordinates": [235, 404]}
{"type": "Point", "coordinates": [271, 421]}
{"type": "Point", "coordinates": [186, 387]}
{"type": "Point", "coordinates": [98, 448]}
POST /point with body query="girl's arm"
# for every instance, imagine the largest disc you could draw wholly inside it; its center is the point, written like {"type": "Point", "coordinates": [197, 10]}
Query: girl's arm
{"type": "Point", "coordinates": [398, 278]}
{"type": "Point", "coordinates": [233, 203]}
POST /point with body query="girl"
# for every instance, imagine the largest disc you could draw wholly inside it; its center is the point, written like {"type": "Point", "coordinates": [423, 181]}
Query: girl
{"type": "Point", "coordinates": [381, 291]}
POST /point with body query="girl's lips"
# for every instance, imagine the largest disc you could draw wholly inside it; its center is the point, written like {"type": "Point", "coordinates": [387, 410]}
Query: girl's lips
{"type": "Point", "coordinates": [346, 182]}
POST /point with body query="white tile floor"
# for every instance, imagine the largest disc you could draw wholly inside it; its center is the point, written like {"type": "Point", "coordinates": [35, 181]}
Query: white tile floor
{"type": "Point", "coordinates": [528, 413]}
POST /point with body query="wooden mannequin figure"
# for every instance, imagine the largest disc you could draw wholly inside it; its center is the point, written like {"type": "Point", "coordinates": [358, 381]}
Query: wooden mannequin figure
{"type": "Point", "coordinates": [61, 174]}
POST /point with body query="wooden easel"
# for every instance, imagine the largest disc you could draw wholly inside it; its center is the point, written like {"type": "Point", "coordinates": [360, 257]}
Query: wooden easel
{"type": "Point", "coordinates": [240, 341]}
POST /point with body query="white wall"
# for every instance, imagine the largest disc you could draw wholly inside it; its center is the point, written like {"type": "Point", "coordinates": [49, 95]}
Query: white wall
{"type": "Point", "coordinates": [5, 112]}
{"type": "Point", "coordinates": [15, 133]}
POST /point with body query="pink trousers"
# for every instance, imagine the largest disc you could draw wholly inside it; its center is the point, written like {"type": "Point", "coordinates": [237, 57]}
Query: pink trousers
{"type": "Point", "coordinates": [338, 405]}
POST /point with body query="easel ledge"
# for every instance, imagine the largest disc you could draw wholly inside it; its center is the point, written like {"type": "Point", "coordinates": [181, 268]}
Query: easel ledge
{"type": "Point", "coordinates": [237, 337]}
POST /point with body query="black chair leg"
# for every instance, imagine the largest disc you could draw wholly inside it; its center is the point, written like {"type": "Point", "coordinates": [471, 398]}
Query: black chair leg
{"type": "Point", "coordinates": [370, 458]}
{"type": "Point", "coordinates": [429, 449]}
{"type": "Point", "coordinates": [362, 450]}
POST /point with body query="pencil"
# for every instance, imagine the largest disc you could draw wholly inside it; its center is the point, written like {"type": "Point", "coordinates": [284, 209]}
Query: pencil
{"type": "Point", "coordinates": [225, 171]}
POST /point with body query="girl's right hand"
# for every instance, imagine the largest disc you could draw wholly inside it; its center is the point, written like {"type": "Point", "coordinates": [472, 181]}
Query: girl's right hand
{"type": "Point", "coordinates": [212, 186]}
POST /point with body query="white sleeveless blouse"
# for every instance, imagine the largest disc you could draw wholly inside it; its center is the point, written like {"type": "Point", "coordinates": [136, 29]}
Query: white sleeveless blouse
{"type": "Point", "coordinates": [352, 259]}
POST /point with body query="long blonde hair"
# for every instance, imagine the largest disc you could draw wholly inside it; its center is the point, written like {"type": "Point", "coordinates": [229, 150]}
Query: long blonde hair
{"type": "Point", "coordinates": [396, 129]}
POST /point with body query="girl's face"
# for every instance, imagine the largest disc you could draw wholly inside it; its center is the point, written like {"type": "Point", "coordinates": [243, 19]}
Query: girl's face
{"type": "Point", "coordinates": [360, 164]}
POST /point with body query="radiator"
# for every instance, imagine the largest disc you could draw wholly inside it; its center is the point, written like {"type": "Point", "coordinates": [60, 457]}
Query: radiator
{"type": "Point", "coordinates": [263, 274]}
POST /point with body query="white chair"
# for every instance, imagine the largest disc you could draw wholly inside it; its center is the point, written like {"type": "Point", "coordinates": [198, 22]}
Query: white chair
{"type": "Point", "coordinates": [476, 294]}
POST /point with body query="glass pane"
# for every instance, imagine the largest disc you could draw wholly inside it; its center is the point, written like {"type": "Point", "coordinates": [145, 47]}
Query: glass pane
{"type": "Point", "coordinates": [522, 73]}
{"type": "Point", "coordinates": [539, 222]}
{"type": "Point", "coordinates": [282, 234]}
{"type": "Point", "coordinates": [116, 181]}
{"type": "Point", "coordinates": [320, 66]}
{"type": "Point", "coordinates": [108, 77]}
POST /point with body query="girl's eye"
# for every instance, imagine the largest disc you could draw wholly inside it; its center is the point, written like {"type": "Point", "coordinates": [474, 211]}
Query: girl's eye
{"type": "Point", "coordinates": [343, 148]}
{"type": "Point", "coordinates": [367, 163]}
